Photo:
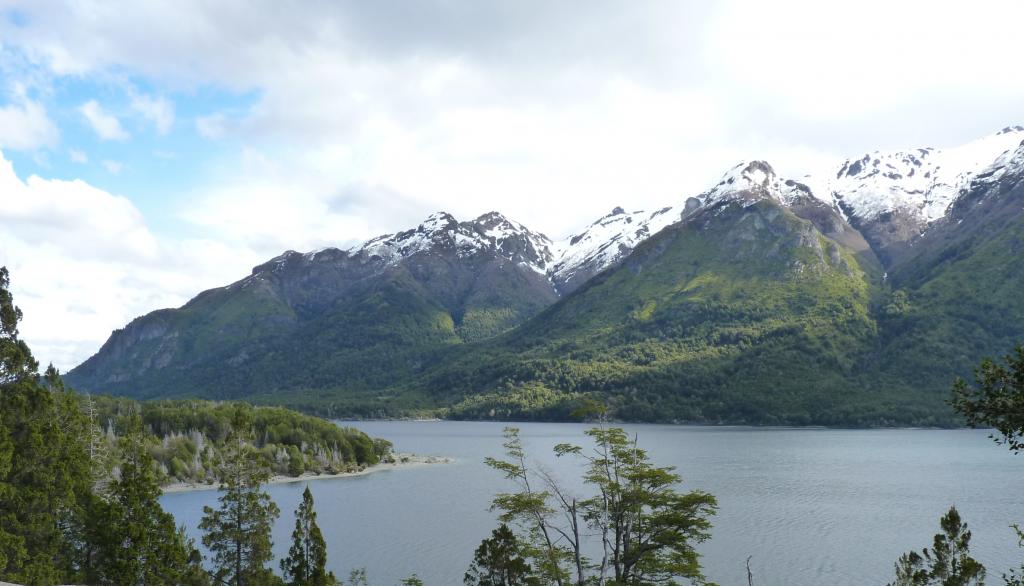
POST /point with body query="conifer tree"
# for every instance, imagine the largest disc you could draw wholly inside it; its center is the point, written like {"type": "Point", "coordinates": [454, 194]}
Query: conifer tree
{"type": "Point", "coordinates": [306, 564]}
{"type": "Point", "coordinates": [138, 541]}
{"type": "Point", "coordinates": [44, 470]}
{"type": "Point", "coordinates": [15, 359]}
{"type": "Point", "coordinates": [497, 562]}
{"type": "Point", "coordinates": [947, 563]}
{"type": "Point", "coordinates": [237, 533]}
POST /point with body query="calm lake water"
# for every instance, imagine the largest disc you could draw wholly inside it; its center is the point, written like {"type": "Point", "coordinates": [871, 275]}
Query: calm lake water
{"type": "Point", "coordinates": [812, 506]}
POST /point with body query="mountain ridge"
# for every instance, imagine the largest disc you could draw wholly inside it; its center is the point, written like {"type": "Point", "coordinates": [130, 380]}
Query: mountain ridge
{"type": "Point", "coordinates": [376, 320]}
{"type": "Point", "coordinates": [863, 189]}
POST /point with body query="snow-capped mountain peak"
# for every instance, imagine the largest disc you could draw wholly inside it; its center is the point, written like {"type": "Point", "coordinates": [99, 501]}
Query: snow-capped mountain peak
{"type": "Point", "coordinates": [746, 179]}
{"type": "Point", "coordinates": [890, 196]}
{"type": "Point", "coordinates": [919, 183]}
{"type": "Point", "coordinates": [500, 228]}
{"type": "Point", "coordinates": [438, 222]}
{"type": "Point", "coordinates": [491, 232]}
{"type": "Point", "coordinates": [582, 255]}
{"type": "Point", "coordinates": [515, 241]}
{"type": "Point", "coordinates": [614, 236]}
{"type": "Point", "coordinates": [751, 181]}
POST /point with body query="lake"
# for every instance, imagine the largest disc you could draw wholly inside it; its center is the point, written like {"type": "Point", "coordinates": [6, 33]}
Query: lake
{"type": "Point", "coordinates": [812, 506]}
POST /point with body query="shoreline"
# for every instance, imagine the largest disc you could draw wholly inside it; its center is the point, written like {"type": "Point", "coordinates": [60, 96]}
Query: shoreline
{"type": "Point", "coordinates": [402, 461]}
{"type": "Point", "coordinates": [618, 422]}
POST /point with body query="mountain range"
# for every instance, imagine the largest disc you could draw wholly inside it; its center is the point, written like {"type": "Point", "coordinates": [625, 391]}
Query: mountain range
{"type": "Point", "coordinates": [849, 298]}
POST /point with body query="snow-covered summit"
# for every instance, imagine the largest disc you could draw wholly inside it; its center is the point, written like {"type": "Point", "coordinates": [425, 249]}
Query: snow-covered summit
{"type": "Point", "coordinates": [614, 236]}
{"type": "Point", "coordinates": [920, 183]}
{"type": "Point", "coordinates": [753, 180]}
{"type": "Point", "coordinates": [491, 232]}
{"type": "Point", "coordinates": [604, 242]}
{"type": "Point", "coordinates": [890, 195]}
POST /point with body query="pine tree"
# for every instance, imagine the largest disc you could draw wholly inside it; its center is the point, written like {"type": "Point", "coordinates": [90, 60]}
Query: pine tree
{"type": "Point", "coordinates": [307, 558]}
{"type": "Point", "coordinates": [238, 532]}
{"type": "Point", "coordinates": [138, 541]}
{"type": "Point", "coordinates": [948, 563]}
{"type": "Point", "coordinates": [497, 562]}
{"type": "Point", "coordinates": [45, 480]}
{"type": "Point", "coordinates": [16, 361]}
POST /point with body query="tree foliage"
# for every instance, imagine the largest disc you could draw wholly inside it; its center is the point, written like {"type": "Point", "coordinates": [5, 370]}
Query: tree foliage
{"type": "Point", "coordinates": [996, 399]}
{"type": "Point", "coordinates": [16, 361]}
{"type": "Point", "coordinates": [186, 437]}
{"type": "Point", "coordinates": [79, 503]}
{"type": "Point", "coordinates": [45, 471]}
{"type": "Point", "coordinates": [498, 562]}
{"type": "Point", "coordinates": [947, 563]}
{"type": "Point", "coordinates": [1016, 576]}
{"type": "Point", "coordinates": [307, 558]}
{"type": "Point", "coordinates": [138, 541]}
{"type": "Point", "coordinates": [237, 533]}
{"type": "Point", "coordinates": [646, 529]}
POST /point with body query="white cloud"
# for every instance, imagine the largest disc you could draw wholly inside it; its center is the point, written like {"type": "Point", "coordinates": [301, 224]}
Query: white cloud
{"type": "Point", "coordinates": [279, 206]}
{"type": "Point", "coordinates": [781, 68]}
{"type": "Point", "coordinates": [535, 105]}
{"type": "Point", "coordinates": [24, 125]}
{"type": "Point", "coordinates": [78, 156]}
{"type": "Point", "coordinates": [50, 210]}
{"type": "Point", "coordinates": [83, 263]}
{"type": "Point", "coordinates": [212, 126]}
{"type": "Point", "coordinates": [159, 111]}
{"type": "Point", "coordinates": [106, 126]}
{"type": "Point", "coordinates": [113, 167]}
{"type": "Point", "coordinates": [363, 117]}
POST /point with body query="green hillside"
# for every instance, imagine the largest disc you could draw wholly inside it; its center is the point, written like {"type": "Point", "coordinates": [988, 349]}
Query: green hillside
{"type": "Point", "coordinates": [740, 314]}
{"type": "Point", "coordinates": [749, 310]}
{"type": "Point", "coordinates": [297, 326]}
{"type": "Point", "coordinates": [961, 294]}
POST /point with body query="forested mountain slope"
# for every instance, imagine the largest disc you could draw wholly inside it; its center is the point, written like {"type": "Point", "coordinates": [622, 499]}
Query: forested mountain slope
{"type": "Point", "coordinates": [744, 311]}
{"type": "Point", "coordinates": [852, 298]}
{"type": "Point", "coordinates": [360, 319]}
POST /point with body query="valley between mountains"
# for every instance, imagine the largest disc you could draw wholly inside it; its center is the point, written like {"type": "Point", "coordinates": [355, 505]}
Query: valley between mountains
{"type": "Point", "coordinates": [852, 298]}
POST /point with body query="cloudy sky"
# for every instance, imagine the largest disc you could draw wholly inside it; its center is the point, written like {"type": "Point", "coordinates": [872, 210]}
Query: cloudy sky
{"type": "Point", "coordinates": [153, 149]}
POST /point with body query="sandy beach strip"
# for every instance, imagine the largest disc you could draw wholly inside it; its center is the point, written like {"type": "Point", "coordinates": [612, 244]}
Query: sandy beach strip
{"type": "Point", "coordinates": [402, 461]}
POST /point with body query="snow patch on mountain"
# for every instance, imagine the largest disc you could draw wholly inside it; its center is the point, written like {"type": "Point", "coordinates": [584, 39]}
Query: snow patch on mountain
{"type": "Point", "coordinates": [490, 233]}
{"type": "Point", "coordinates": [750, 181]}
{"type": "Point", "coordinates": [614, 236]}
{"type": "Point", "coordinates": [609, 239]}
{"type": "Point", "coordinates": [920, 182]}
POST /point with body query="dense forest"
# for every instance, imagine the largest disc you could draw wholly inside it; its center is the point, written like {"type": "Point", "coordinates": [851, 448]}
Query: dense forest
{"type": "Point", "coordinates": [186, 438]}
{"type": "Point", "coordinates": [80, 476]}
{"type": "Point", "coordinates": [760, 309]}
{"type": "Point", "coordinates": [722, 320]}
{"type": "Point", "coordinates": [80, 480]}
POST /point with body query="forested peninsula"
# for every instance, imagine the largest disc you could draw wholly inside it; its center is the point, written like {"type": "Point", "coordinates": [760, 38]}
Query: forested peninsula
{"type": "Point", "coordinates": [186, 438]}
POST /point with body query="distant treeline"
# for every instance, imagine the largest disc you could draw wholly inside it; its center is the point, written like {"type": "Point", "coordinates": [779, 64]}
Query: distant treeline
{"type": "Point", "coordinates": [186, 437]}
{"type": "Point", "coordinates": [80, 477]}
